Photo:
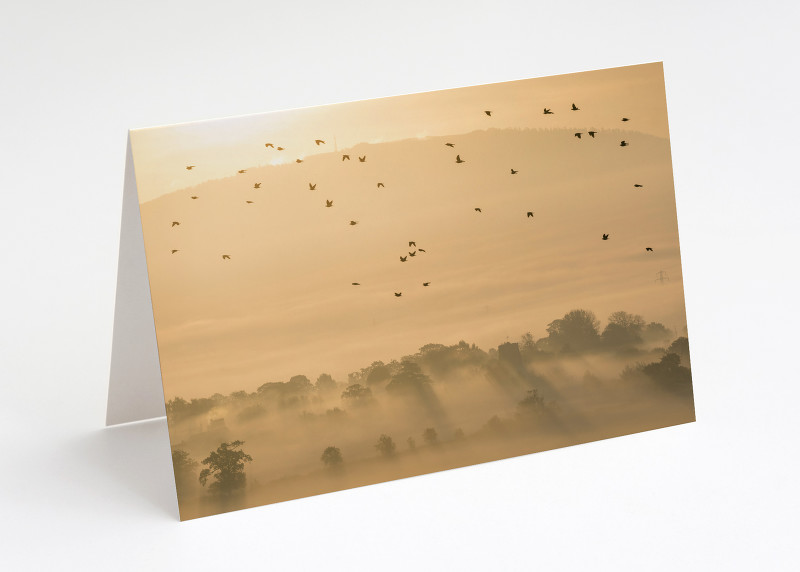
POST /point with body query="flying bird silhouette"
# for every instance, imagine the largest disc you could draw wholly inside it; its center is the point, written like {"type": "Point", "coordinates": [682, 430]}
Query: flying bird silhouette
{"type": "Point", "coordinates": [489, 113]}
{"type": "Point", "coordinates": [257, 186]}
{"type": "Point", "coordinates": [298, 160]}
{"type": "Point", "coordinates": [381, 185]}
{"type": "Point", "coordinates": [190, 167]}
{"type": "Point", "coordinates": [530, 214]}
{"type": "Point", "coordinates": [194, 197]}
{"type": "Point", "coordinates": [356, 284]}
{"type": "Point", "coordinates": [311, 186]}
{"type": "Point", "coordinates": [174, 251]}
{"type": "Point", "coordinates": [398, 294]}
{"type": "Point", "coordinates": [249, 202]}
{"type": "Point", "coordinates": [450, 144]}
{"type": "Point", "coordinates": [459, 159]}
{"type": "Point", "coordinates": [412, 253]}
{"type": "Point", "coordinates": [477, 209]}
{"type": "Point", "coordinates": [648, 249]}
{"type": "Point", "coordinates": [605, 237]}
{"type": "Point", "coordinates": [328, 203]}
{"type": "Point", "coordinates": [347, 157]}
{"type": "Point", "coordinates": [625, 119]}
{"type": "Point", "coordinates": [578, 135]}
{"type": "Point", "coordinates": [421, 249]}
{"type": "Point", "coordinates": [592, 134]}
{"type": "Point", "coordinates": [426, 283]}
{"type": "Point", "coordinates": [575, 107]}
{"type": "Point", "coordinates": [403, 258]}
{"type": "Point", "coordinates": [353, 222]}
{"type": "Point", "coordinates": [319, 141]}
{"type": "Point", "coordinates": [623, 143]}
{"type": "Point", "coordinates": [269, 145]}
{"type": "Point", "coordinates": [514, 171]}
{"type": "Point", "coordinates": [412, 243]}
{"type": "Point", "coordinates": [362, 159]}
{"type": "Point", "coordinates": [175, 223]}
{"type": "Point", "coordinates": [279, 148]}
{"type": "Point", "coordinates": [242, 171]}
{"type": "Point", "coordinates": [637, 185]}
{"type": "Point", "coordinates": [226, 257]}
{"type": "Point", "coordinates": [547, 111]}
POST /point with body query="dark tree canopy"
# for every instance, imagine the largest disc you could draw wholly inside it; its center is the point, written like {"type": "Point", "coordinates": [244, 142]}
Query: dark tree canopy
{"type": "Point", "coordinates": [226, 465]}
{"type": "Point", "coordinates": [430, 436]}
{"type": "Point", "coordinates": [576, 331]}
{"type": "Point", "coordinates": [681, 347]}
{"type": "Point", "coordinates": [357, 394]}
{"type": "Point", "coordinates": [623, 329]}
{"type": "Point", "coordinates": [185, 470]}
{"type": "Point", "coordinates": [332, 457]}
{"type": "Point", "coordinates": [410, 380]}
{"type": "Point", "coordinates": [325, 383]}
{"type": "Point", "coordinates": [385, 446]}
{"type": "Point", "coordinates": [669, 373]}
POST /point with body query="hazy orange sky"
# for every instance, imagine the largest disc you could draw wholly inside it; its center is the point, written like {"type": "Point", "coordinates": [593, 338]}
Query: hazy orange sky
{"type": "Point", "coordinates": [284, 304]}
{"type": "Point", "coordinates": [221, 147]}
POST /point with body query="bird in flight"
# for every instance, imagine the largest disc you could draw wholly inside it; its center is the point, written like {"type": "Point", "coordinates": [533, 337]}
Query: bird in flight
{"type": "Point", "coordinates": [311, 186]}
{"type": "Point", "coordinates": [625, 119]}
{"type": "Point", "coordinates": [174, 251]}
{"type": "Point", "coordinates": [345, 157]}
{"type": "Point", "coordinates": [398, 294]}
{"type": "Point", "coordinates": [514, 171]}
{"type": "Point", "coordinates": [269, 145]}
{"type": "Point", "coordinates": [592, 134]}
{"type": "Point", "coordinates": [450, 144]}
{"type": "Point", "coordinates": [257, 186]}
{"type": "Point", "coordinates": [298, 160]}
{"type": "Point", "coordinates": [356, 284]}
{"type": "Point", "coordinates": [412, 243]}
{"type": "Point", "coordinates": [242, 171]}
{"type": "Point", "coordinates": [381, 185]}
{"type": "Point", "coordinates": [189, 167]}
{"type": "Point", "coordinates": [547, 111]}
{"type": "Point", "coordinates": [249, 202]}
{"type": "Point", "coordinates": [605, 237]}
{"type": "Point", "coordinates": [175, 223]}
{"type": "Point", "coordinates": [353, 222]}
{"type": "Point", "coordinates": [648, 249]}
{"type": "Point", "coordinates": [575, 107]}
{"type": "Point", "coordinates": [403, 258]}
{"type": "Point", "coordinates": [489, 113]}
{"type": "Point", "coordinates": [362, 159]}
{"type": "Point", "coordinates": [194, 196]}
{"type": "Point", "coordinates": [459, 159]}
{"type": "Point", "coordinates": [530, 214]}
{"type": "Point", "coordinates": [319, 141]}
{"type": "Point", "coordinates": [279, 148]}
{"type": "Point", "coordinates": [328, 203]}
{"type": "Point", "coordinates": [426, 283]}
{"type": "Point", "coordinates": [637, 185]}
{"type": "Point", "coordinates": [623, 143]}
{"type": "Point", "coordinates": [412, 254]}
{"type": "Point", "coordinates": [578, 135]}
{"type": "Point", "coordinates": [226, 257]}
{"type": "Point", "coordinates": [421, 249]}
{"type": "Point", "coordinates": [477, 209]}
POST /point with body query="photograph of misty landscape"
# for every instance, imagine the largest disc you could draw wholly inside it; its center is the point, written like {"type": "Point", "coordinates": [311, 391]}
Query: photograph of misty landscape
{"type": "Point", "coordinates": [355, 293]}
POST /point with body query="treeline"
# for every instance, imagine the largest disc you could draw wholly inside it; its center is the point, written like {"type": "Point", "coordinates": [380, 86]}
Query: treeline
{"type": "Point", "coordinates": [577, 332]}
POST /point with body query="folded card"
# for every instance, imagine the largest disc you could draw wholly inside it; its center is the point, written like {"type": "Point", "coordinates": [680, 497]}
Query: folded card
{"type": "Point", "coordinates": [360, 292]}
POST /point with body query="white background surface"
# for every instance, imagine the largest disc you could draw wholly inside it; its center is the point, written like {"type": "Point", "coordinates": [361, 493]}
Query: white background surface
{"type": "Point", "coordinates": [720, 494]}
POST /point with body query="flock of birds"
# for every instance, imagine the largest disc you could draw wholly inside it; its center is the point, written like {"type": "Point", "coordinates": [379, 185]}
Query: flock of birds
{"type": "Point", "coordinates": [363, 159]}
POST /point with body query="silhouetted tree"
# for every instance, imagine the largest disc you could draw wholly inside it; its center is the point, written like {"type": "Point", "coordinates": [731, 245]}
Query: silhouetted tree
{"type": "Point", "coordinates": [332, 457]}
{"type": "Point", "coordinates": [576, 331]}
{"type": "Point", "coordinates": [430, 436]}
{"type": "Point", "coordinates": [623, 329]}
{"type": "Point", "coordinates": [185, 468]}
{"type": "Point", "coordinates": [681, 347]}
{"type": "Point", "coordinates": [411, 443]}
{"type": "Point", "coordinates": [410, 380]}
{"type": "Point", "coordinates": [378, 373]}
{"type": "Point", "coordinates": [656, 332]}
{"type": "Point", "coordinates": [669, 373]}
{"type": "Point", "coordinates": [385, 446]}
{"type": "Point", "coordinates": [325, 384]}
{"type": "Point", "coordinates": [357, 394]}
{"type": "Point", "coordinates": [299, 384]}
{"type": "Point", "coordinates": [226, 465]}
